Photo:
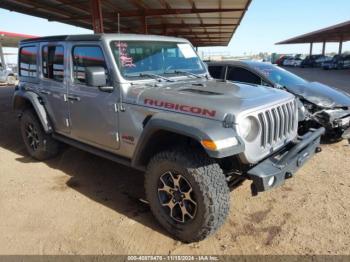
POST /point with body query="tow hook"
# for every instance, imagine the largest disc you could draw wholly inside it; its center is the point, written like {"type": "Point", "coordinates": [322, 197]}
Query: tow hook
{"type": "Point", "coordinates": [318, 149]}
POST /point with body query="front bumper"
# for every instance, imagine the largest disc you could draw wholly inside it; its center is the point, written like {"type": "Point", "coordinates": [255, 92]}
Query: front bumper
{"type": "Point", "coordinates": [273, 171]}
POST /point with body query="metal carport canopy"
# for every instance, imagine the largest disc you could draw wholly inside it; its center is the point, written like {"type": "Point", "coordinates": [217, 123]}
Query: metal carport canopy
{"type": "Point", "coordinates": [337, 33]}
{"type": "Point", "coordinates": [203, 22]}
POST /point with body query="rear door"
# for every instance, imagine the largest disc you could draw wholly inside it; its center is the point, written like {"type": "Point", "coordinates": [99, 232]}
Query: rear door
{"type": "Point", "coordinates": [53, 85]}
{"type": "Point", "coordinates": [93, 113]}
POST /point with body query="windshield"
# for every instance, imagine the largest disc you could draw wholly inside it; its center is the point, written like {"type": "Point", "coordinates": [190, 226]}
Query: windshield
{"type": "Point", "coordinates": [279, 76]}
{"type": "Point", "coordinates": [137, 59]}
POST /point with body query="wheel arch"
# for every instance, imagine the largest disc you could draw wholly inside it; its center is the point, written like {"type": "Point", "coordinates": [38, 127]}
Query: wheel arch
{"type": "Point", "coordinates": [163, 131]}
{"type": "Point", "coordinates": [30, 100]}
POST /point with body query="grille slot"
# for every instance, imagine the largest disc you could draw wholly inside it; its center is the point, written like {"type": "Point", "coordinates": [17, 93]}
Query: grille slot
{"type": "Point", "coordinates": [277, 123]}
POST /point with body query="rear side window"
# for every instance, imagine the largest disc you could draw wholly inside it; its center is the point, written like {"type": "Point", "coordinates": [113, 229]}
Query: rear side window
{"type": "Point", "coordinates": [53, 65]}
{"type": "Point", "coordinates": [27, 61]}
{"type": "Point", "coordinates": [216, 71]}
{"type": "Point", "coordinates": [86, 56]}
{"type": "Point", "coordinates": [238, 74]}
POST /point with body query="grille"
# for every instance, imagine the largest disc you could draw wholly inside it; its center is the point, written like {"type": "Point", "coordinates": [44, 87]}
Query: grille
{"type": "Point", "coordinates": [277, 123]}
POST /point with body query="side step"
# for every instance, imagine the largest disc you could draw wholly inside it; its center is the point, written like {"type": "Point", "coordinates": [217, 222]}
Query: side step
{"type": "Point", "coordinates": [96, 151]}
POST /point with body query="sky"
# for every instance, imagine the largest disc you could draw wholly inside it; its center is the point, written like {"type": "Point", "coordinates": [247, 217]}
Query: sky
{"type": "Point", "coordinates": [266, 22]}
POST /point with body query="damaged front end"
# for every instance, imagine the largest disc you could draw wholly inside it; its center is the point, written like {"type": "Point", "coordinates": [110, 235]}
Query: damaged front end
{"type": "Point", "coordinates": [336, 120]}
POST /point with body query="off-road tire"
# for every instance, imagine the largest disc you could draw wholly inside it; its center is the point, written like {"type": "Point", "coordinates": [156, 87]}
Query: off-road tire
{"type": "Point", "coordinates": [47, 147]}
{"type": "Point", "coordinates": [209, 186]}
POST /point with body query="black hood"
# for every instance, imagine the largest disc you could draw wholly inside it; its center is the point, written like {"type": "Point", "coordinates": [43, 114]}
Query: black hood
{"type": "Point", "coordinates": [321, 95]}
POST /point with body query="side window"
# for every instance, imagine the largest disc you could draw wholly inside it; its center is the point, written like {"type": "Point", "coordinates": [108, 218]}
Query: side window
{"type": "Point", "coordinates": [238, 74]}
{"type": "Point", "coordinates": [27, 61]}
{"type": "Point", "coordinates": [53, 62]}
{"type": "Point", "coordinates": [216, 71]}
{"type": "Point", "coordinates": [86, 56]}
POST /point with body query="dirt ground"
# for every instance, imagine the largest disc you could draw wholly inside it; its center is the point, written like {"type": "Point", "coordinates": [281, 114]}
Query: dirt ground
{"type": "Point", "coordinates": [78, 203]}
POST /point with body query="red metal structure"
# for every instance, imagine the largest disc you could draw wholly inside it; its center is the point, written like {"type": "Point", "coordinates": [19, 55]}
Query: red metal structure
{"type": "Point", "coordinates": [203, 22]}
{"type": "Point", "coordinates": [8, 39]}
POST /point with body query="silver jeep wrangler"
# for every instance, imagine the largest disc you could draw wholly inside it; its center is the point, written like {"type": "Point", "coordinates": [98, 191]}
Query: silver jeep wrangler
{"type": "Point", "coordinates": [148, 102]}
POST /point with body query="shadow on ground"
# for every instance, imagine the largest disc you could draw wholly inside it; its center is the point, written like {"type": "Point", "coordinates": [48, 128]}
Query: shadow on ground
{"type": "Point", "coordinates": [110, 184]}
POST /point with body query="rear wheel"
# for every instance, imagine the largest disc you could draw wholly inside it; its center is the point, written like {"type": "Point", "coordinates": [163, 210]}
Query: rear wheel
{"type": "Point", "coordinates": [39, 145]}
{"type": "Point", "coordinates": [188, 194]}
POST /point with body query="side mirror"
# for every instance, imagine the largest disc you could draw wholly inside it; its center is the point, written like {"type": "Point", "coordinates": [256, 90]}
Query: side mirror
{"type": "Point", "coordinates": [96, 76]}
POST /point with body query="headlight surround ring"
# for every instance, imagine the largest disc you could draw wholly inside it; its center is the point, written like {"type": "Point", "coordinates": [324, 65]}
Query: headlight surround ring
{"type": "Point", "coordinates": [249, 128]}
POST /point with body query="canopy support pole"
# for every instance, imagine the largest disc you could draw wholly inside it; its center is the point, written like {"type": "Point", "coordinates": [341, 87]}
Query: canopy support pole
{"type": "Point", "coordinates": [324, 48]}
{"type": "Point", "coordinates": [340, 47]}
{"type": "Point", "coordinates": [311, 46]}
{"type": "Point", "coordinates": [96, 15]}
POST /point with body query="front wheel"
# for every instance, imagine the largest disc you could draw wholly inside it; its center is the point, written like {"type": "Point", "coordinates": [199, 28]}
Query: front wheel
{"type": "Point", "coordinates": [188, 194]}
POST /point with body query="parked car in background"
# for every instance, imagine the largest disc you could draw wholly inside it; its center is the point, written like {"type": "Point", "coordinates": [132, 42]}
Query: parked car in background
{"type": "Point", "coordinates": [337, 62]}
{"type": "Point", "coordinates": [295, 61]}
{"type": "Point", "coordinates": [281, 60]}
{"type": "Point", "coordinates": [319, 61]}
{"type": "Point", "coordinates": [291, 60]}
{"type": "Point", "coordinates": [288, 61]}
{"type": "Point", "coordinates": [8, 75]}
{"type": "Point", "coordinates": [310, 61]}
{"type": "Point", "coordinates": [319, 104]}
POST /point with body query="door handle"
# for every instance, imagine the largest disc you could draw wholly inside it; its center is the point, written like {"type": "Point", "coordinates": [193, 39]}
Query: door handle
{"type": "Point", "coordinates": [73, 98]}
{"type": "Point", "coordinates": [44, 92]}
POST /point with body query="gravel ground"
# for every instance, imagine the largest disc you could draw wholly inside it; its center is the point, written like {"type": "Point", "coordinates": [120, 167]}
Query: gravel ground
{"type": "Point", "coordinates": [78, 203]}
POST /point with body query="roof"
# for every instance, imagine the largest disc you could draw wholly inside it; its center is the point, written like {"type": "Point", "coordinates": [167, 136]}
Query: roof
{"type": "Point", "coordinates": [203, 22]}
{"type": "Point", "coordinates": [336, 33]}
{"type": "Point", "coordinates": [8, 39]}
{"type": "Point", "coordinates": [108, 37]}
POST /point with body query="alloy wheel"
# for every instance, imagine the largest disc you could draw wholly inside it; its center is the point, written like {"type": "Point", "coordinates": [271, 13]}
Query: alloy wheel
{"type": "Point", "coordinates": [176, 196]}
{"type": "Point", "coordinates": [32, 137]}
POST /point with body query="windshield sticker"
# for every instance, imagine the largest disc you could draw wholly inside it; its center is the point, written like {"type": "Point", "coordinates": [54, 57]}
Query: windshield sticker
{"type": "Point", "coordinates": [187, 50]}
{"type": "Point", "coordinates": [125, 59]}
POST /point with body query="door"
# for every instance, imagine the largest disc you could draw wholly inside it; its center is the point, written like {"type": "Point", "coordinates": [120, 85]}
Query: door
{"type": "Point", "coordinates": [53, 87]}
{"type": "Point", "coordinates": [93, 114]}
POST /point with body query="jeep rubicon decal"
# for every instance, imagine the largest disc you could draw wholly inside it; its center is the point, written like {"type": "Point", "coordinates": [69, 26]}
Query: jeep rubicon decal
{"type": "Point", "coordinates": [180, 107]}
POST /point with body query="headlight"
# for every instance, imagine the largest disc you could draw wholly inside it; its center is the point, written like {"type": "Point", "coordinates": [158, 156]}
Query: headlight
{"type": "Point", "coordinates": [249, 128]}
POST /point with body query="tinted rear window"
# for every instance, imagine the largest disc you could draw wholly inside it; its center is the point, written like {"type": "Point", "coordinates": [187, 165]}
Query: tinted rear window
{"type": "Point", "coordinates": [238, 74]}
{"type": "Point", "coordinates": [28, 61]}
{"type": "Point", "coordinates": [53, 66]}
{"type": "Point", "coordinates": [216, 71]}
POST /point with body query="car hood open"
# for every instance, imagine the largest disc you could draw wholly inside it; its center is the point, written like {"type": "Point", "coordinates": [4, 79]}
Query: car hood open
{"type": "Point", "coordinates": [321, 95]}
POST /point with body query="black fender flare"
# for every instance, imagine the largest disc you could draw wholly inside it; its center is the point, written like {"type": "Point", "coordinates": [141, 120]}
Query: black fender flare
{"type": "Point", "coordinates": [197, 128]}
{"type": "Point", "coordinates": [19, 100]}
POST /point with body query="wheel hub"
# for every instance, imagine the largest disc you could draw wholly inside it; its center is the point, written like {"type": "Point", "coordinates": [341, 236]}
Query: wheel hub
{"type": "Point", "coordinates": [32, 137]}
{"type": "Point", "coordinates": [176, 196]}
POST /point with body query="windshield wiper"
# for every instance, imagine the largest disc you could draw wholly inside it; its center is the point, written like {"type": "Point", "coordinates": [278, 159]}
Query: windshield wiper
{"type": "Point", "coordinates": [155, 76]}
{"type": "Point", "coordinates": [183, 72]}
